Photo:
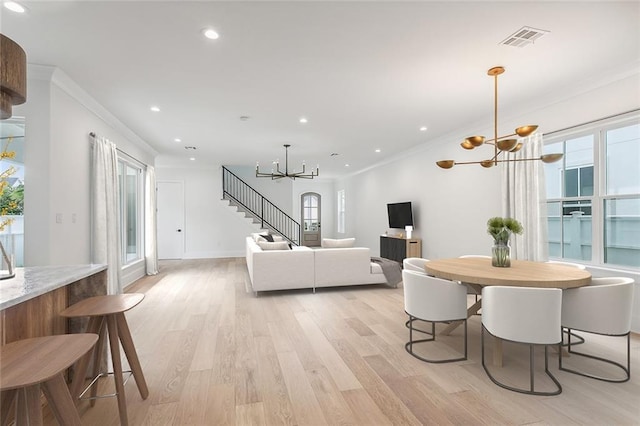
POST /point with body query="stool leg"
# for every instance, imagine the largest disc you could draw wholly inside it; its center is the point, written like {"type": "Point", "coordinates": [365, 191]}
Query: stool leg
{"type": "Point", "coordinates": [28, 406]}
{"type": "Point", "coordinates": [132, 356]}
{"type": "Point", "coordinates": [60, 401]}
{"type": "Point", "coordinates": [6, 403]}
{"type": "Point", "coordinates": [97, 359]}
{"type": "Point", "coordinates": [117, 368]}
{"type": "Point", "coordinates": [80, 372]}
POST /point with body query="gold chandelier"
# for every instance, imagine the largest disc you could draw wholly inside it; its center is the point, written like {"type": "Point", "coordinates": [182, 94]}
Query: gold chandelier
{"type": "Point", "coordinates": [278, 174]}
{"type": "Point", "coordinates": [500, 143]}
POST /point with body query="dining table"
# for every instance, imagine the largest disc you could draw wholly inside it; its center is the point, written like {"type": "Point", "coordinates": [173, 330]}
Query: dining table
{"type": "Point", "coordinates": [479, 272]}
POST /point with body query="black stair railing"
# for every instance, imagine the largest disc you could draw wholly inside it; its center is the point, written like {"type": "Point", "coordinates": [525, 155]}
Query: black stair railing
{"type": "Point", "coordinates": [254, 203]}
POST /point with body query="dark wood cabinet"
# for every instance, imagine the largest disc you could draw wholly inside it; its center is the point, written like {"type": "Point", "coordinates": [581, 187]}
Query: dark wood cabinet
{"type": "Point", "coordinates": [397, 248]}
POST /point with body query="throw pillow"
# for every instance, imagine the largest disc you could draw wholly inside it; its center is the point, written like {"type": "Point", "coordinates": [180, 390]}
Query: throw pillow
{"type": "Point", "coordinates": [278, 245]}
{"type": "Point", "coordinates": [267, 237]}
{"type": "Point", "coordinates": [339, 243]}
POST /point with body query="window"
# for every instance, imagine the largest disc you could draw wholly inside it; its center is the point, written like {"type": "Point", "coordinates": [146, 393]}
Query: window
{"type": "Point", "coordinates": [341, 212]}
{"type": "Point", "coordinates": [12, 132]}
{"type": "Point", "coordinates": [130, 184]}
{"type": "Point", "coordinates": [593, 194]}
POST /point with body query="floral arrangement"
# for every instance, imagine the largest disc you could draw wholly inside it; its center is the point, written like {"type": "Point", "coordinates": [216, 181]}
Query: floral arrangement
{"type": "Point", "coordinates": [501, 228]}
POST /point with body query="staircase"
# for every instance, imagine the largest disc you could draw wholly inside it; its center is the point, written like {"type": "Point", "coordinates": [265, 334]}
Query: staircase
{"type": "Point", "coordinates": [257, 207]}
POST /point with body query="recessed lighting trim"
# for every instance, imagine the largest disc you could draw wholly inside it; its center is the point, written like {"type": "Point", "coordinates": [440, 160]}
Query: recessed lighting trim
{"type": "Point", "coordinates": [377, 150]}
{"type": "Point", "coordinates": [14, 7]}
{"type": "Point", "coordinates": [346, 165]}
{"type": "Point", "coordinates": [192, 158]}
{"type": "Point", "coordinates": [303, 120]}
{"type": "Point", "coordinates": [211, 34]}
{"type": "Point", "coordinates": [423, 128]}
{"type": "Point", "coordinates": [177, 140]}
{"type": "Point", "coordinates": [155, 109]}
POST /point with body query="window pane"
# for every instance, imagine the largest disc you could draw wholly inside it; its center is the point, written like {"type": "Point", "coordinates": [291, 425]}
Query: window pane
{"type": "Point", "coordinates": [554, 223]}
{"type": "Point", "coordinates": [622, 232]}
{"type": "Point", "coordinates": [553, 171]}
{"type": "Point", "coordinates": [578, 154]}
{"type": "Point", "coordinates": [576, 230]}
{"type": "Point", "coordinates": [623, 157]}
{"type": "Point", "coordinates": [586, 181]}
{"type": "Point", "coordinates": [131, 195]}
{"type": "Point", "coordinates": [571, 183]}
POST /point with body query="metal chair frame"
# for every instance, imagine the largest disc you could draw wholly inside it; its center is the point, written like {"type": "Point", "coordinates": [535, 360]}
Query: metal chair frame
{"type": "Point", "coordinates": [627, 369]}
{"type": "Point", "coordinates": [531, 390]}
{"type": "Point", "coordinates": [409, 345]}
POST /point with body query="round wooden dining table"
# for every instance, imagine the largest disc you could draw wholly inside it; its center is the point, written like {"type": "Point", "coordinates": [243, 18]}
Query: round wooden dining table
{"type": "Point", "coordinates": [478, 272]}
{"type": "Point", "coordinates": [522, 273]}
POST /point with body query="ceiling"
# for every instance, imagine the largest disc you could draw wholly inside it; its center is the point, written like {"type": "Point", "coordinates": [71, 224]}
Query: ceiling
{"type": "Point", "coordinates": [366, 75]}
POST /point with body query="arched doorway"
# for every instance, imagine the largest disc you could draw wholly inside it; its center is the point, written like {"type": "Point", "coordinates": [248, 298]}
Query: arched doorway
{"type": "Point", "coordinates": [311, 228]}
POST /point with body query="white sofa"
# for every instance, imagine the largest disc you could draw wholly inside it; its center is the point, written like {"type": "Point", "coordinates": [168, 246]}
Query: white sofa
{"type": "Point", "coordinates": [303, 267]}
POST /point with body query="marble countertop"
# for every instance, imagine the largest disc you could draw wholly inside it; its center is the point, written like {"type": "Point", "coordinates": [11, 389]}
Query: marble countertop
{"type": "Point", "coordinates": [34, 281]}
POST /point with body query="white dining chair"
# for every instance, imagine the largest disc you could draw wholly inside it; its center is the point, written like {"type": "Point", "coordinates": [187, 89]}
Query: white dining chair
{"type": "Point", "coordinates": [575, 265]}
{"type": "Point", "coordinates": [415, 264]}
{"type": "Point", "coordinates": [604, 308]}
{"type": "Point", "coordinates": [433, 300]}
{"type": "Point", "coordinates": [526, 315]}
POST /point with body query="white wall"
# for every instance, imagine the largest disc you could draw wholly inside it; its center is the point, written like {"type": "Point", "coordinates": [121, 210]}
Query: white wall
{"type": "Point", "coordinates": [212, 229]}
{"type": "Point", "coordinates": [59, 117]}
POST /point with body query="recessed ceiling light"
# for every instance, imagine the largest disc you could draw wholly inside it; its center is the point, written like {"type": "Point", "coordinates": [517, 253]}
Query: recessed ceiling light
{"type": "Point", "coordinates": [423, 128]}
{"type": "Point", "coordinates": [377, 150]}
{"type": "Point", "coordinates": [192, 158]}
{"type": "Point", "coordinates": [303, 120]}
{"type": "Point", "coordinates": [178, 140]}
{"type": "Point", "coordinates": [155, 109]}
{"type": "Point", "coordinates": [210, 34]}
{"type": "Point", "coordinates": [346, 165]}
{"type": "Point", "coordinates": [14, 7]}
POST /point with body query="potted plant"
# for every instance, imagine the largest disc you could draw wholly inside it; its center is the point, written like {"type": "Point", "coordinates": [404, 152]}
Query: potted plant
{"type": "Point", "coordinates": [501, 228]}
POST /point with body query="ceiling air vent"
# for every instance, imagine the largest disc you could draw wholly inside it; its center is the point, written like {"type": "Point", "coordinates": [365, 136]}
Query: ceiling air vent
{"type": "Point", "coordinates": [523, 36]}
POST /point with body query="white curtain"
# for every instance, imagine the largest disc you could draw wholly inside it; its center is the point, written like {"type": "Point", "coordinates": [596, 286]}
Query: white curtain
{"type": "Point", "coordinates": [150, 232]}
{"type": "Point", "coordinates": [105, 244]}
{"type": "Point", "coordinates": [524, 199]}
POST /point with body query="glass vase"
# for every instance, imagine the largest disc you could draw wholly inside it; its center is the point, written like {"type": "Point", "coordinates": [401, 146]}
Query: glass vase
{"type": "Point", "coordinates": [501, 254]}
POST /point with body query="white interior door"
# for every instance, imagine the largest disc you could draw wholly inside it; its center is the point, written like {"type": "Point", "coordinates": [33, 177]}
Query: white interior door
{"type": "Point", "coordinates": [170, 220]}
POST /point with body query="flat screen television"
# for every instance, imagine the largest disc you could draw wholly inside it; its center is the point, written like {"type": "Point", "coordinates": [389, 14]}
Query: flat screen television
{"type": "Point", "coordinates": [400, 215]}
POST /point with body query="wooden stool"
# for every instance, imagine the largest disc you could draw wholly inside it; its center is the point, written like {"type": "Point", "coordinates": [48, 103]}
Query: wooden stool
{"type": "Point", "coordinates": [29, 364]}
{"type": "Point", "coordinates": [106, 313]}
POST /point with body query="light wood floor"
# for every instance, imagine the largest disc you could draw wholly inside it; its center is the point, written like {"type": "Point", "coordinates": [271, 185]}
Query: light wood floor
{"type": "Point", "coordinates": [213, 353]}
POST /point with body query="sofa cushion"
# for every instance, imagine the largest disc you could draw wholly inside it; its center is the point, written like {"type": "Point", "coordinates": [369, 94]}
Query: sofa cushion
{"type": "Point", "coordinates": [274, 245]}
{"type": "Point", "coordinates": [339, 243]}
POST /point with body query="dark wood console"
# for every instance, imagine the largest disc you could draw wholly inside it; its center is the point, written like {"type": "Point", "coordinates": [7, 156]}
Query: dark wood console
{"type": "Point", "coordinates": [398, 248]}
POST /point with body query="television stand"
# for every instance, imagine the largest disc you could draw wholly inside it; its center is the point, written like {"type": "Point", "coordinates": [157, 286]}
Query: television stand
{"type": "Point", "coordinates": [398, 248]}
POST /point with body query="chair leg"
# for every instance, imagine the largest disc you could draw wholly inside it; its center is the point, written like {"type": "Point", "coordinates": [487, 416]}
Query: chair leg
{"type": "Point", "coordinates": [531, 390]}
{"type": "Point", "coordinates": [409, 345]}
{"type": "Point", "coordinates": [6, 403]}
{"type": "Point", "coordinates": [626, 370]}
{"type": "Point", "coordinates": [60, 401]}
{"type": "Point", "coordinates": [132, 356]}
{"type": "Point", "coordinates": [114, 342]}
{"type": "Point", "coordinates": [80, 371]}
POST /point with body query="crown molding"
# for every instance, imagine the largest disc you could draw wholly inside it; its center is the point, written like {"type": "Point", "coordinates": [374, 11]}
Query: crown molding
{"type": "Point", "coordinates": [61, 80]}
